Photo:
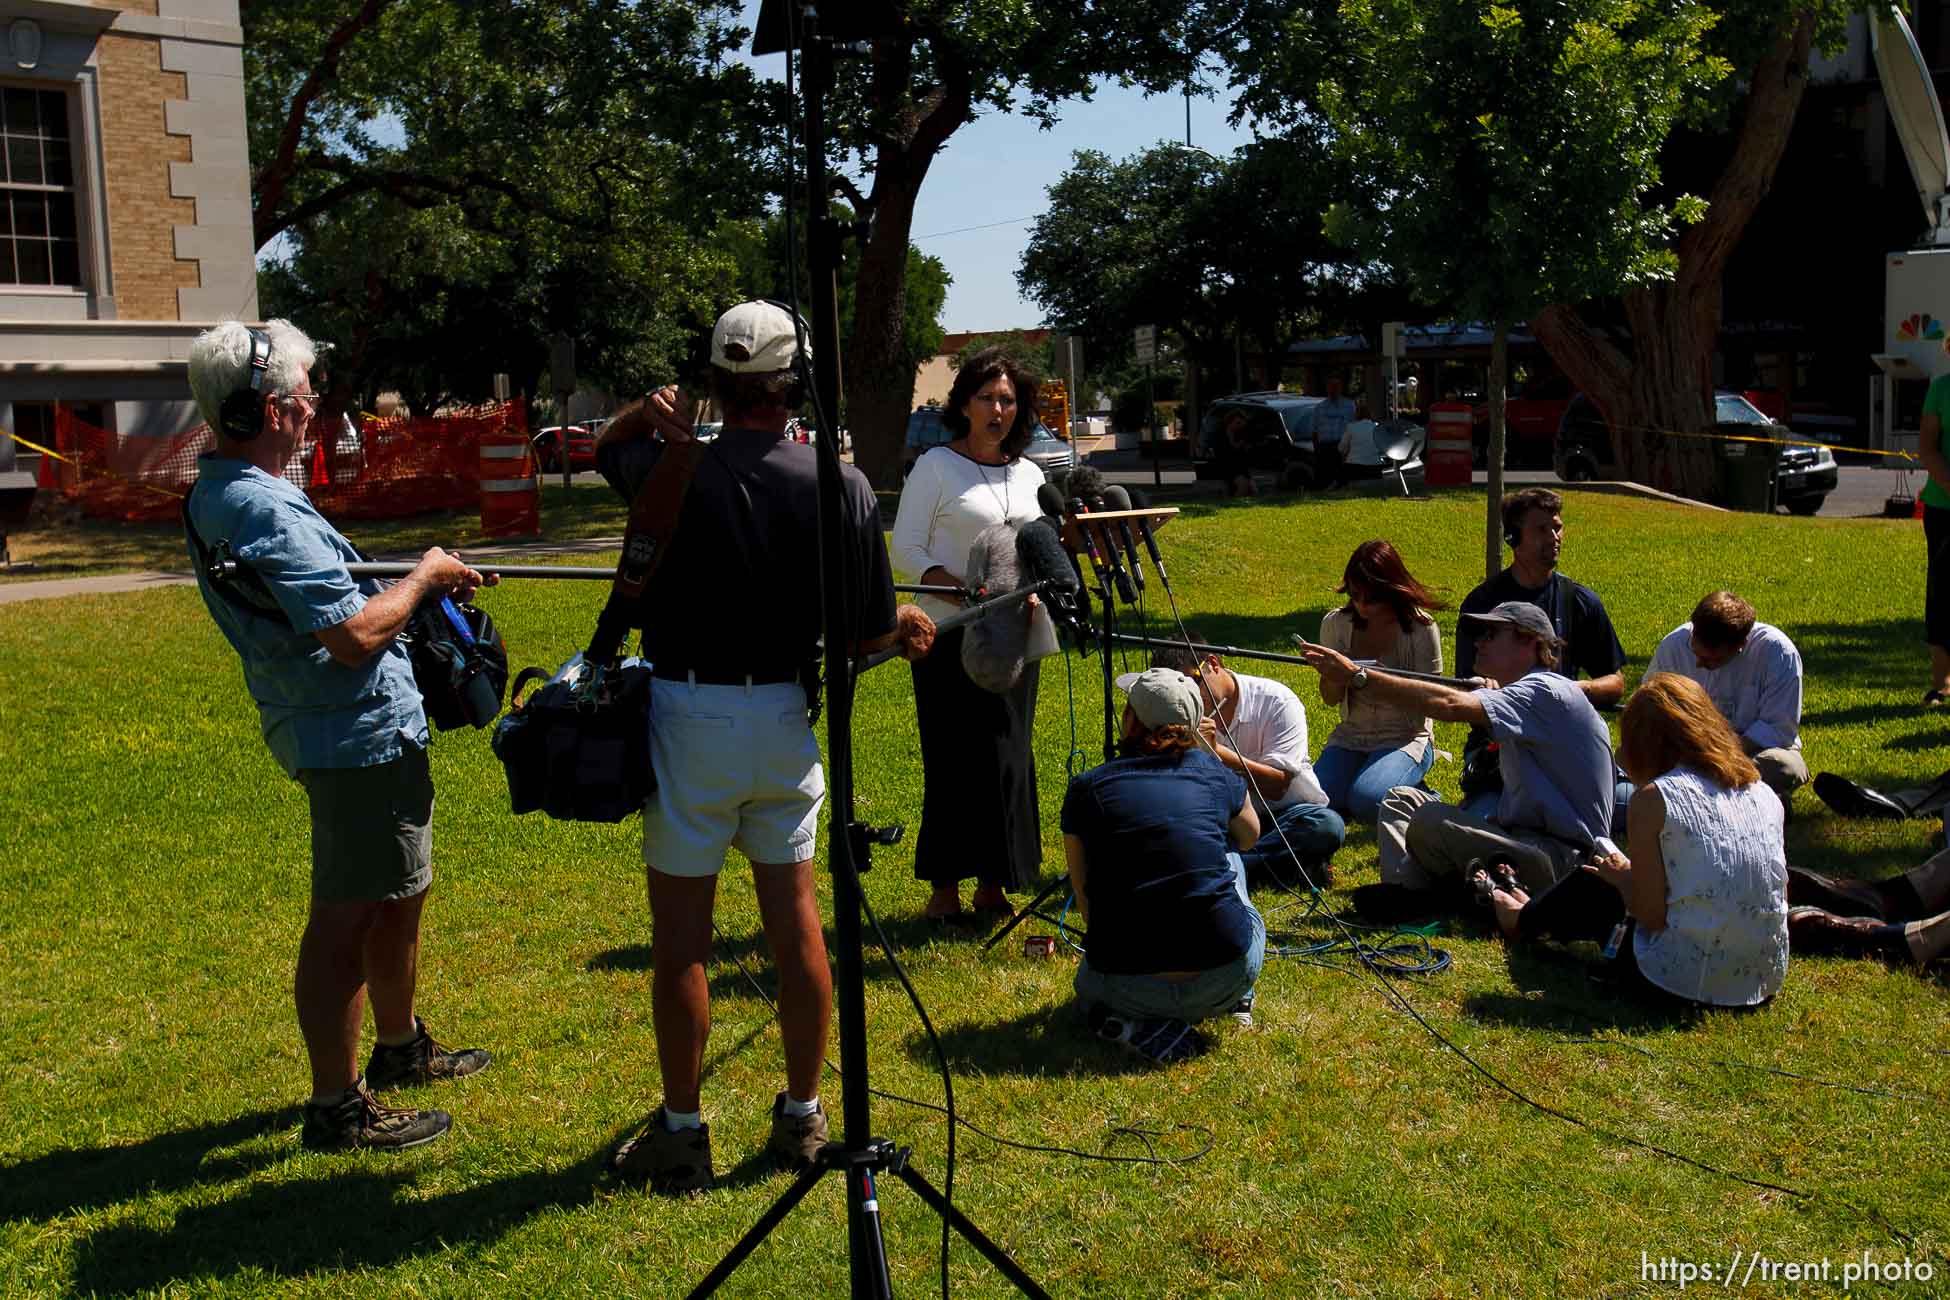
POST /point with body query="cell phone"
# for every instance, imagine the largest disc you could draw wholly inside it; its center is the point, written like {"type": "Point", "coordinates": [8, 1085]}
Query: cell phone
{"type": "Point", "coordinates": [1605, 847]}
{"type": "Point", "coordinates": [1302, 642]}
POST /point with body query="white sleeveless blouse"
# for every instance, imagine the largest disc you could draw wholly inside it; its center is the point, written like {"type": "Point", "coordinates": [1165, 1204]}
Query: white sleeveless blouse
{"type": "Point", "coordinates": [1725, 941]}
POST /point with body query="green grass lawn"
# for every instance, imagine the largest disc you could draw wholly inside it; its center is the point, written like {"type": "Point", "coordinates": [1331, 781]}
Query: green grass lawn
{"type": "Point", "coordinates": [152, 871]}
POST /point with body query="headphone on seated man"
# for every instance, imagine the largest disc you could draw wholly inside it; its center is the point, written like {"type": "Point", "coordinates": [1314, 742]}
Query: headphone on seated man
{"type": "Point", "coordinates": [241, 414]}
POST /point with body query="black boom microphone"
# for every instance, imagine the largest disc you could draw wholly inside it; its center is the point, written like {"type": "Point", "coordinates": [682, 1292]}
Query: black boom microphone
{"type": "Point", "coordinates": [1141, 502]}
{"type": "Point", "coordinates": [1116, 498]}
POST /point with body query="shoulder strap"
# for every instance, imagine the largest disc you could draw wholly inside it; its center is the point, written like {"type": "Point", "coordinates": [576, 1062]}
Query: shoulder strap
{"type": "Point", "coordinates": [234, 583]}
{"type": "Point", "coordinates": [654, 515]}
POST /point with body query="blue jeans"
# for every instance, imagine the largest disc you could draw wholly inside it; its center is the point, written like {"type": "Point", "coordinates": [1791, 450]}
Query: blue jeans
{"type": "Point", "coordinates": [1357, 780]}
{"type": "Point", "coordinates": [1207, 994]}
{"type": "Point", "coordinates": [1314, 831]}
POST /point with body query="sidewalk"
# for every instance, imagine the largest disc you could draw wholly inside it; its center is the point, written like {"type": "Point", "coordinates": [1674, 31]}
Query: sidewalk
{"type": "Point", "coordinates": [110, 584]}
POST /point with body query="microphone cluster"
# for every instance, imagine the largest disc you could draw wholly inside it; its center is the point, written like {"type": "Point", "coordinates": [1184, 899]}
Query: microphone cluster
{"type": "Point", "coordinates": [1088, 494]}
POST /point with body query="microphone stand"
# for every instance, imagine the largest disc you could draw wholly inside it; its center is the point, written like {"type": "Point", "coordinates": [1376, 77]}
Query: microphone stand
{"type": "Point", "coordinates": [860, 1156]}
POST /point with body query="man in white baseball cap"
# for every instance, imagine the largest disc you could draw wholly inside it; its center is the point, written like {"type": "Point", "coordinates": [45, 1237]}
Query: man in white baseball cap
{"type": "Point", "coordinates": [1152, 840]}
{"type": "Point", "coordinates": [736, 761]}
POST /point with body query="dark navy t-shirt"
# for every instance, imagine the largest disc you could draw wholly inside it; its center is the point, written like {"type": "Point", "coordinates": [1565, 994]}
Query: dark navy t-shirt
{"type": "Point", "coordinates": [1154, 837]}
{"type": "Point", "coordinates": [1590, 645]}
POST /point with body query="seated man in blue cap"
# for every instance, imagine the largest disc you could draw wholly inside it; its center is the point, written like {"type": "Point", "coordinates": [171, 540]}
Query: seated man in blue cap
{"type": "Point", "coordinates": [1152, 840]}
{"type": "Point", "coordinates": [1553, 748]}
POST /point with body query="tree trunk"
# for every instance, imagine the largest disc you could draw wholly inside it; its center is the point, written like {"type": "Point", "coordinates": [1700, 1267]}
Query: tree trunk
{"type": "Point", "coordinates": [880, 374]}
{"type": "Point", "coordinates": [1498, 382]}
{"type": "Point", "coordinates": [1665, 386]}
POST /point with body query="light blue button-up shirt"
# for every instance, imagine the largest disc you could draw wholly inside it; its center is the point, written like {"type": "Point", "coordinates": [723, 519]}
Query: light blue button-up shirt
{"type": "Point", "coordinates": [1758, 692]}
{"type": "Point", "coordinates": [316, 712]}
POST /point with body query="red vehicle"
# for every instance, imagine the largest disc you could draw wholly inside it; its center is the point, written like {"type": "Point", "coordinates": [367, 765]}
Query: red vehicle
{"type": "Point", "coordinates": [548, 448]}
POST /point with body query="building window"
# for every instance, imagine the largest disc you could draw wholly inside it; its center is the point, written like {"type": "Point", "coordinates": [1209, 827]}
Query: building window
{"type": "Point", "coordinates": [37, 204]}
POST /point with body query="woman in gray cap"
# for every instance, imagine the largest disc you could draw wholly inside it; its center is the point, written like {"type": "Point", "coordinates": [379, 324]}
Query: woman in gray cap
{"type": "Point", "coordinates": [1152, 840]}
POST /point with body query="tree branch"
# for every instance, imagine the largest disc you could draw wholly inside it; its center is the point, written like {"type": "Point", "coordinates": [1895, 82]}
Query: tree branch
{"type": "Point", "coordinates": [415, 188]}
{"type": "Point", "coordinates": [274, 177]}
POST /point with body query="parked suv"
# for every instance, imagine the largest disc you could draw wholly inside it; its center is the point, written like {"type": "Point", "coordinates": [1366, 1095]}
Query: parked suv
{"type": "Point", "coordinates": [1278, 432]}
{"type": "Point", "coordinates": [924, 432]}
{"type": "Point", "coordinates": [1803, 477]}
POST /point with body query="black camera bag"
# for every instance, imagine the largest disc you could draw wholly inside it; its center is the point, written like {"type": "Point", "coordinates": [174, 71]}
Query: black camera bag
{"type": "Point", "coordinates": [580, 757]}
{"type": "Point", "coordinates": [461, 684]}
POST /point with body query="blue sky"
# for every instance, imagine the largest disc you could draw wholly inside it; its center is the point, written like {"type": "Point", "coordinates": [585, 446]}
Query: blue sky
{"type": "Point", "coordinates": [995, 174]}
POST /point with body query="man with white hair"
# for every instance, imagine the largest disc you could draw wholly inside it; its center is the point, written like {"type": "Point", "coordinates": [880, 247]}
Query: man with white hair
{"type": "Point", "coordinates": [341, 714]}
{"type": "Point", "coordinates": [736, 761]}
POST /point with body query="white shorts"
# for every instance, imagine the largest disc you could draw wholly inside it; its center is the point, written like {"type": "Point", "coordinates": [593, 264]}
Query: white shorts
{"type": "Point", "coordinates": [737, 767]}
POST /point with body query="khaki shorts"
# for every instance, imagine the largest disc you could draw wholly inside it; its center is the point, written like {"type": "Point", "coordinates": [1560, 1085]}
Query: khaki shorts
{"type": "Point", "coordinates": [371, 829]}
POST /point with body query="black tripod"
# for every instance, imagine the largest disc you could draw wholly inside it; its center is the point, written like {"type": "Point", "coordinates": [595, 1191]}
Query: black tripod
{"type": "Point", "coordinates": [860, 1157]}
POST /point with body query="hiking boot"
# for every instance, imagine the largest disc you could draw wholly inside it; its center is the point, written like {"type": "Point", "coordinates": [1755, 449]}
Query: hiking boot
{"type": "Point", "coordinates": [420, 1061]}
{"type": "Point", "coordinates": [357, 1120]}
{"type": "Point", "coordinates": [796, 1140]}
{"type": "Point", "coordinates": [667, 1161]}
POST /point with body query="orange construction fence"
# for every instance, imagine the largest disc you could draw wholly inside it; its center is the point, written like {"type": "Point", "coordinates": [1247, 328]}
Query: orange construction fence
{"type": "Point", "coordinates": [382, 469]}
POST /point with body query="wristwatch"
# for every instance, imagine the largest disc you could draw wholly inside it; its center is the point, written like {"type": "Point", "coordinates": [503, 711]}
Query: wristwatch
{"type": "Point", "coordinates": [1359, 679]}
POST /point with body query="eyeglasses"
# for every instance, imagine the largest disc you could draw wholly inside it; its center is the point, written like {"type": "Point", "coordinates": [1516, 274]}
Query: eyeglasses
{"type": "Point", "coordinates": [310, 401]}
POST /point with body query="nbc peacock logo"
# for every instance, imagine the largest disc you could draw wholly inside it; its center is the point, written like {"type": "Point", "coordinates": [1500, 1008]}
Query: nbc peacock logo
{"type": "Point", "coordinates": [1921, 326]}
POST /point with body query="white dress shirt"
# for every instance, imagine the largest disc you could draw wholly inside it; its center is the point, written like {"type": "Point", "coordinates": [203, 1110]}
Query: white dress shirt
{"type": "Point", "coordinates": [1758, 692]}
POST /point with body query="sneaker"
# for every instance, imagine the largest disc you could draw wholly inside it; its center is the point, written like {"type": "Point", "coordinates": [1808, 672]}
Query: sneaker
{"type": "Point", "coordinates": [796, 1140]}
{"type": "Point", "coordinates": [1163, 1041]}
{"type": "Point", "coordinates": [1242, 1012]}
{"type": "Point", "coordinates": [420, 1061]}
{"type": "Point", "coordinates": [667, 1161]}
{"type": "Point", "coordinates": [357, 1120]}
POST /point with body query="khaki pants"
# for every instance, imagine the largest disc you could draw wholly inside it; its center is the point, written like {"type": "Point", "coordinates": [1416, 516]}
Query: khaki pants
{"type": "Point", "coordinates": [1784, 771]}
{"type": "Point", "coordinates": [1423, 841]}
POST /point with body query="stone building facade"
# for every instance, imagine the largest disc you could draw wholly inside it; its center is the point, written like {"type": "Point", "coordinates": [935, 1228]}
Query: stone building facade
{"type": "Point", "coordinates": [125, 214]}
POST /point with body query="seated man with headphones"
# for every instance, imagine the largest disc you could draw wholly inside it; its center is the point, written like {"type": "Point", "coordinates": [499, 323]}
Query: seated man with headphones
{"type": "Point", "coordinates": [1533, 529]}
{"type": "Point", "coordinates": [341, 715]}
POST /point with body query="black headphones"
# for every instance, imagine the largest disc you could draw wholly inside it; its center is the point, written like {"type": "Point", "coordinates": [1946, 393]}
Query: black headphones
{"type": "Point", "coordinates": [795, 396]}
{"type": "Point", "coordinates": [241, 417]}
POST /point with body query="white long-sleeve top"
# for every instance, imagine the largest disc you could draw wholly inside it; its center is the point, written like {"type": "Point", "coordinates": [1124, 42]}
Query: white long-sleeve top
{"type": "Point", "coordinates": [1758, 692]}
{"type": "Point", "coordinates": [946, 501]}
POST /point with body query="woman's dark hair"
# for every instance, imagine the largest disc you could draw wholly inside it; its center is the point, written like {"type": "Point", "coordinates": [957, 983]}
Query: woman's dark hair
{"type": "Point", "coordinates": [1378, 567]}
{"type": "Point", "coordinates": [1159, 742]}
{"type": "Point", "coordinates": [975, 374]}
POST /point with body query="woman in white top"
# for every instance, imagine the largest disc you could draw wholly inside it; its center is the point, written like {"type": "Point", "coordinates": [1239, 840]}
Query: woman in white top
{"type": "Point", "coordinates": [1704, 893]}
{"type": "Point", "coordinates": [979, 814]}
{"type": "Point", "coordinates": [1386, 621]}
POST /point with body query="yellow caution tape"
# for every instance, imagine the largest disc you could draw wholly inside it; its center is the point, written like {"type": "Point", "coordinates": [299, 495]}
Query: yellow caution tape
{"type": "Point", "coordinates": [69, 460]}
{"type": "Point", "coordinates": [1777, 442]}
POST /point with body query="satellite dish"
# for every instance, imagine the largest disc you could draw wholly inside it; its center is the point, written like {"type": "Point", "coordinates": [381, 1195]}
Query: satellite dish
{"type": "Point", "coordinates": [1914, 111]}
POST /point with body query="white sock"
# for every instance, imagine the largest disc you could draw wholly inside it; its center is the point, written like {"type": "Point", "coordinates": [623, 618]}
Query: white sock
{"type": "Point", "coordinates": [675, 1120]}
{"type": "Point", "coordinates": [799, 1109]}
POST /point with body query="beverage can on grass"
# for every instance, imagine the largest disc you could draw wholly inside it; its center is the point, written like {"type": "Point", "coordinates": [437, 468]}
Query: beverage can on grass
{"type": "Point", "coordinates": [1039, 945]}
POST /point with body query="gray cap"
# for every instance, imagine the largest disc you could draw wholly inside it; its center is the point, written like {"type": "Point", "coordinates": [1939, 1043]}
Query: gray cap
{"type": "Point", "coordinates": [1162, 697]}
{"type": "Point", "coordinates": [1521, 614]}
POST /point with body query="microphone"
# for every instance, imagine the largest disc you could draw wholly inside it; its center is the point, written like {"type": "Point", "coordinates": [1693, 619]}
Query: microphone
{"type": "Point", "coordinates": [1086, 488]}
{"type": "Point", "coordinates": [1049, 500]}
{"type": "Point", "coordinates": [1117, 498]}
{"type": "Point", "coordinates": [993, 648]}
{"type": "Point", "coordinates": [1140, 502]}
{"type": "Point", "coordinates": [1041, 557]}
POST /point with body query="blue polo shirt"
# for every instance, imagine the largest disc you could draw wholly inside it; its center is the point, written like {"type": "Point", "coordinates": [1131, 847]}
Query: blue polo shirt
{"type": "Point", "coordinates": [1161, 890]}
{"type": "Point", "coordinates": [315, 711]}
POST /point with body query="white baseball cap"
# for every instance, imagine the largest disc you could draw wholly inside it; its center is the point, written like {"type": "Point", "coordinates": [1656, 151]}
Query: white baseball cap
{"type": "Point", "coordinates": [755, 338]}
{"type": "Point", "coordinates": [1162, 697]}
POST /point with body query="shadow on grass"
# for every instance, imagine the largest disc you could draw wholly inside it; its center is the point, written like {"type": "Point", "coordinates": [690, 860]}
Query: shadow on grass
{"type": "Point", "coordinates": [1572, 1002]}
{"type": "Point", "coordinates": [67, 1182]}
{"type": "Point", "coordinates": [1046, 1042]}
{"type": "Point", "coordinates": [358, 1218]}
